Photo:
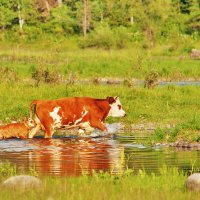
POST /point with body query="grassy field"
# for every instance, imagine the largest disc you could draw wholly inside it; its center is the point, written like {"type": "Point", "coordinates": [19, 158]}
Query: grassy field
{"type": "Point", "coordinates": [162, 105]}
{"type": "Point", "coordinates": [91, 63]}
{"type": "Point", "coordinates": [168, 105]}
{"type": "Point", "coordinates": [169, 184]}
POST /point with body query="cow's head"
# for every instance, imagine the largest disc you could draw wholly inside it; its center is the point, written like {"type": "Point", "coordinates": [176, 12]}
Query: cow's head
{"type": "Point", "coordinates": [116, 109]}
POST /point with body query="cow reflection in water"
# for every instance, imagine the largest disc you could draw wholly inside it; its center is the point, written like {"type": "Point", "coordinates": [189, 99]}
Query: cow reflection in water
{"type": "Point", "coordinates": [75, 156]}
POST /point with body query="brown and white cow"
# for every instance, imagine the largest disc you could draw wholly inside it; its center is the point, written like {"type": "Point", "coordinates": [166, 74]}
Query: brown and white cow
{"type": "Point", "coordinates": [16, 130]}
{"type": "Point", "coordinates": [83, 112]}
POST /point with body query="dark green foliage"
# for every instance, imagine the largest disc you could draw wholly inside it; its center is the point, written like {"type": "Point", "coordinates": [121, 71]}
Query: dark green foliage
{"type": "Point", "coordinates": [159, 134]}
{"type": "Point", "coordinates": [193, 25]}
{"type": "Point", "coordinates": [116, 23]}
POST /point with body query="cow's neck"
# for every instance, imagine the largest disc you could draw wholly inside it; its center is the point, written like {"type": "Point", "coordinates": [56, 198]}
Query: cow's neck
{"type": "Point", "coordinates": [105, 108]}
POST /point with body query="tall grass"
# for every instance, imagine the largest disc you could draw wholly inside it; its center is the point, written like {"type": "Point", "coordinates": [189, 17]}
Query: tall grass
{"type": "Point", "coordinates": [171, 104]}
{"type": "Point", "coordinates": [170, 184]}
{"type": "Point", "coordinates": [90, 63]}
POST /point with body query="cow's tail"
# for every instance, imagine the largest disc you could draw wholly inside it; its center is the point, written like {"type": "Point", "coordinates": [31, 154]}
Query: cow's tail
{"type": "Point", "coordinates": [33, 107]}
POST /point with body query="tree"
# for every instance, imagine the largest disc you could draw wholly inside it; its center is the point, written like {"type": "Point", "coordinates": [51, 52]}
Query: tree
{"type": "Point", "coordinates": [86, 22]}
{"type": "Point", "coordinates": [187, 6]}
{"type": "Point", "coordinates": [8, 13]}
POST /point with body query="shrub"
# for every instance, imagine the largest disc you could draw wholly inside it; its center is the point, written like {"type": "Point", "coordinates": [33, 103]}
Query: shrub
{"type": "Point", "coordinates": [159, 134]}
{"type": "Point", "coordinates": [8, 74]}
{"type": "Point", "coordinates": [44, 74]}
{"type": "Point", "coordinates": [101, 37]}
{"type": "Point", "coordinates": [151, 80]}
{"type": "Point", "coordinates": [122, 37]}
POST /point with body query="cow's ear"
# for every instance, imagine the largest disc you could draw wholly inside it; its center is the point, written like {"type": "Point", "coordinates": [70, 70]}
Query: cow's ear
{"type": "Point", "coordinates": [116, 98]}
{"type": "Point", "coordinates": [110, 100]}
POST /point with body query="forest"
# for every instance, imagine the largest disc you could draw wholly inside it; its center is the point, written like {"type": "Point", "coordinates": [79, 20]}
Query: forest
{"type": "Point", "coordinates": [101, 23]}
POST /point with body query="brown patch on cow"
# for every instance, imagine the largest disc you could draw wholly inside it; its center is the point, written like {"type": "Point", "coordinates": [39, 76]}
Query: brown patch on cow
{"type": "Point", "coordinates": [111, 100]}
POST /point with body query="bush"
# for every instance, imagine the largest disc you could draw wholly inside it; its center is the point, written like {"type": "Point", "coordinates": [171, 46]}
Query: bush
{"type": "Point", "coordinates": [8, 75]}
{"type": "Point", "coordinates": [159, 134]}
{"type": "Point", "coordinates": [151, 80]}
{"type": "Point", "coordinates": [101, 37]}
{"type": "Point", "coordinates": [122, 37]}
{"type": "Point", "coordinates": [44, 74]}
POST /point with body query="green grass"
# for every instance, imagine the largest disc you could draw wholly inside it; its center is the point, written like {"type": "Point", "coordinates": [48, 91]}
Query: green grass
{"type": "Point", "coordinates": [167, 104]}
{"type": "Point", "coordinates": [90, 63]}
{"type": "Point", "coordinates": [169, 184]}
{"type": "Point", "coordinates": [163, 105]}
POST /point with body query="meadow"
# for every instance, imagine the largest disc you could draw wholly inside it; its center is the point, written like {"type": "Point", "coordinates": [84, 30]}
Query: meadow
{"type": "Point", "coordinates": [23, 67]}
{"type": "Point", "coordinates": [66, 57]}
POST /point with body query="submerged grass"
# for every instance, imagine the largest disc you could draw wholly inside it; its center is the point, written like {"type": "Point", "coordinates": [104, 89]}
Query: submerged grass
{"type": "Point", "coordinates": [169, 184]}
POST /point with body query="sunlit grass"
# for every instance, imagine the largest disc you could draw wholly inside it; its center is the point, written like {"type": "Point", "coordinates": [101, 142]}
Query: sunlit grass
{"type": "Point", "coordinates": [174, 105]}
{"type": "Point", "coordinates": [90, 63]}
{"type": "Point", "coordinates": [168, 184]}
{"type": "Point", "coordinates": [166, 104]}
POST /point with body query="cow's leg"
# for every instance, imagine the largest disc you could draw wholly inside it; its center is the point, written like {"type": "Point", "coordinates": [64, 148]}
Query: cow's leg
{"type": "Point", "coordinates": [47, 125]}
{"type": "Point", "coordinates": [48, 132]}
{"type": "Point", "coordinates": [34, 131]}
{"type": "Point", "coordinates": [96, 123]}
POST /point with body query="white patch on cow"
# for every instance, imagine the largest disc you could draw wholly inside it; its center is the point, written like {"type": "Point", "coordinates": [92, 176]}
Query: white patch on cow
{"type": "Point", "coordinates": [116, 109]}
{"type": "Point", "coordinates": [56, 118]}
{"type": "Point", "coordinates": [83, 114]}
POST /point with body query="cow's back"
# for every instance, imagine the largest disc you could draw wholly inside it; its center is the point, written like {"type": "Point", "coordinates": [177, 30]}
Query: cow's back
{"type": "Point", "coordinates": [68, 104]}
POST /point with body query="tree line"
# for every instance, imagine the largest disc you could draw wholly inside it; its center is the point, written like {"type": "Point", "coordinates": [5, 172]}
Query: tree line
{"type": "Point", "coordinates": [133, 19]}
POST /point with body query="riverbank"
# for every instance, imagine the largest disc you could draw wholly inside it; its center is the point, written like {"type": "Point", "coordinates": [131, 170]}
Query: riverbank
{"type": "Point", "coordinates": [170, 184]}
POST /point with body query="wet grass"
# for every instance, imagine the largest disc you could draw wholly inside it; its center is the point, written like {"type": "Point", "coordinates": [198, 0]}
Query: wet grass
{"type": "Point", "coordinates": [169, 184]}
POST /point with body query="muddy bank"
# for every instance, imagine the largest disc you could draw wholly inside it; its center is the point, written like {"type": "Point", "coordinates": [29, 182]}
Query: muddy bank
{"type": "Point", "coordinates": [186, 145]}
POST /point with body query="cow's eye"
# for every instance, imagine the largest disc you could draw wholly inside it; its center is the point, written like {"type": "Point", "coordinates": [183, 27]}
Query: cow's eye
{"type": "Point", "coordinates": [119, 106]}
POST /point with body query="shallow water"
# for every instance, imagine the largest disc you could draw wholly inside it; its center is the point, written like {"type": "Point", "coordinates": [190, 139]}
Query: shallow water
{"type": "Point", "coordinates": [140, 82]}
{"type": "Point", "coordinates": [74, 156]}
